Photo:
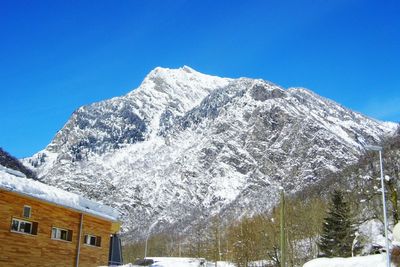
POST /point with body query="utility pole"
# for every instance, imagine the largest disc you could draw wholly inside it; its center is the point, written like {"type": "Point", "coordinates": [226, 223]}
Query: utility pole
{"type": "Point", "coordinates": [379, 149]}
{"type": "Point", "coordinates": [283, 236]}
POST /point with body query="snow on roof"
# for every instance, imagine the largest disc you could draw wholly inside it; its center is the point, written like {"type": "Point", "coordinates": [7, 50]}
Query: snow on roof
{"type": "Point", "coordinates": [15, 181]}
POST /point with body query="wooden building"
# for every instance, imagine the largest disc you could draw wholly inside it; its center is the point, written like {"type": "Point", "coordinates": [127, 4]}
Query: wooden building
{"type": "Point", "coordinates": [43, 226]}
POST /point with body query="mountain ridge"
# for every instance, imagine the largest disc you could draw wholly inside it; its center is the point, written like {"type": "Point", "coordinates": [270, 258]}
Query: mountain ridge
{"type": "Point", "coordinates": [162, 152]}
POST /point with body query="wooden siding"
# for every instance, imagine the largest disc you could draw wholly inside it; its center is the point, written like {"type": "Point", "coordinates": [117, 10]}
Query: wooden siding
{"type": "Point", "coordinates": [17, 249]}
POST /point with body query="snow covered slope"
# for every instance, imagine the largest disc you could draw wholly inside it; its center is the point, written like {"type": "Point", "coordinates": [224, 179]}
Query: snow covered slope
{"type": "Point", "coordinates": [185, 145]}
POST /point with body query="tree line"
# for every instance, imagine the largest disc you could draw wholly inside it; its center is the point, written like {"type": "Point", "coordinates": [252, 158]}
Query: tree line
{"type": "Point", "coordinates": [245, 241]}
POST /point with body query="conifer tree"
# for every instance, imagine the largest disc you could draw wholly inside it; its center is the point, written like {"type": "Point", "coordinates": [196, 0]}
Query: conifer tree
{"type": "Point", "coordinates": [337, 231]}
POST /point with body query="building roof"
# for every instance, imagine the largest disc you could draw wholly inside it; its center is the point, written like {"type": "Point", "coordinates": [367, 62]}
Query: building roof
{"type": "Point", "coordinates": [15, 181]}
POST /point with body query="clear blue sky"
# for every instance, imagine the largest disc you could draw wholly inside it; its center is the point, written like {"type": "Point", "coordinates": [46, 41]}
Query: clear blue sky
{"type": "Point", "coordinates": [58, 55]}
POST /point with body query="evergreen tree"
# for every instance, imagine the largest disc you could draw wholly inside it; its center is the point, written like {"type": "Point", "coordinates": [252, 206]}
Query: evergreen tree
{"type": "Point", "coordinates": [337, 231]}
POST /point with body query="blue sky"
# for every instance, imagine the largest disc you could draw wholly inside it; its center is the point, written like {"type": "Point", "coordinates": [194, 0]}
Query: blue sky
{"type": "Point", "coordinates": [56, 56]}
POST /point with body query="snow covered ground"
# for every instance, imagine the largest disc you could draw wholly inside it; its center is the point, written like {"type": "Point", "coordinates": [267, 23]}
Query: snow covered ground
{"type": "Point", "coordinates": [362, 261]}
{"type": "Point", "coordinates": [378, 260]}
{"type": "Point", "coordinates": [183, 262]}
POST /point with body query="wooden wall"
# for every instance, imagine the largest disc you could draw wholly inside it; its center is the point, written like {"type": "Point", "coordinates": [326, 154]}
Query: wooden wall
{"type": "Point", "coordinates": [40, 250]}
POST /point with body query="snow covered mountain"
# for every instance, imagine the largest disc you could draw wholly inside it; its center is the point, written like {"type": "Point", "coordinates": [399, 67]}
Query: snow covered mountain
{"type": "Point", "coordinates": [185, 146]}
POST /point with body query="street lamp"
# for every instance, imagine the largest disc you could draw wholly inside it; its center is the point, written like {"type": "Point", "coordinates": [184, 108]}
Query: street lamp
{"type": "Point", "coordinates": [379, 148]}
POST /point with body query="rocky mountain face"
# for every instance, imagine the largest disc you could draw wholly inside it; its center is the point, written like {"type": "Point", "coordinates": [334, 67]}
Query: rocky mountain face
{"type": "Point", "coordinates": [185, 146]}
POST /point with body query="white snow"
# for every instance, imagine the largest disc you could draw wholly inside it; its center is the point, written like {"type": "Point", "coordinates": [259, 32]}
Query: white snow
{"type": "Point", "coordinates": [12, 172]}
{"type": "Point", "coordinates": [11, 180]}
{"type": "Point", "coordinates": [396, 234]}
{"type": "Point", "coordinates": [378, 260]}
{"type": "Point", "coordinates": [372, 232]}
{"type": "Point", "coordinates": [175, 262]}
{"type": "Point", "coordinates": [183, 262]}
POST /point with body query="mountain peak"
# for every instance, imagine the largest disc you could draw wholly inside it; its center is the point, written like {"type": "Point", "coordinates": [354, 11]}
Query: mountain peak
{"type": "Point", "coordinates": [163, 71]}
{"type": "Point", "coordinates": [187, 68]}
{"type": "Point", "coordinates": [183, 74]}
{"type": "Point", "coordinates": [184, 84]}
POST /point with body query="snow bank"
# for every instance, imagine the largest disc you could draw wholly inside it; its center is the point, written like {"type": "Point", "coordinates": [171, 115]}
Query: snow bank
{"type": "Point", "coordinates": [378, 260]}
{"type": "Point", "coordinates": [371, 234]}
{"type": "Point", "coordinates": [176, 262]}
{"type": "Point", "coordinates": [11, 181]}
{"type": "Point", "coordinates": [185, 262]}
{"type": "Point", "coordinates": [182, 262]}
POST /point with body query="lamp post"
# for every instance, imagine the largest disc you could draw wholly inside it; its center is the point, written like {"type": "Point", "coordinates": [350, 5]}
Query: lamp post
{"type": "Point", "coordinates": [379, 149]}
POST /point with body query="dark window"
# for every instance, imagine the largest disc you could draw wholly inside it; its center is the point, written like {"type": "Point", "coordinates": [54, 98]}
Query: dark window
{"type": "Point", "coordinates": [93, 240]}
{"type": "Point", "coordinates": [15, 225]}
{"type": "Point", "coordinates": [61, 234]}
{"type": "Point", "coordinates": [27, 212]}
{"type": "Point", "coordinates": [26, 227]}
{"type": "Point", "coordinates": [64, 235]}
{"type": "Point", "coordinates": [22, 226]}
